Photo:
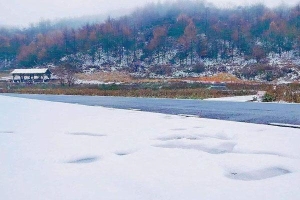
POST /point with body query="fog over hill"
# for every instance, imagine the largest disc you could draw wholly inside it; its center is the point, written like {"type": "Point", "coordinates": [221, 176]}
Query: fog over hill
{"type": "Point", "coordinates": [22, 13]}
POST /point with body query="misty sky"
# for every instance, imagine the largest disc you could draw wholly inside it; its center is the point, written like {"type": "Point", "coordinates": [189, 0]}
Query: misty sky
{"type": "Point", "coordinates": [23, 12]}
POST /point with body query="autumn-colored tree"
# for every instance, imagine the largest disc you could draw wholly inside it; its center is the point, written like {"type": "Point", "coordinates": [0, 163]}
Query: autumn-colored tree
{"type": "Point", "coordinates": [180, 30]}
{"type": "Point", "coordinates": [202, 46]}
{"type": "Point", "coordinates": [157, 43]}
{"type": "Point", "coordinates": [188, 39]}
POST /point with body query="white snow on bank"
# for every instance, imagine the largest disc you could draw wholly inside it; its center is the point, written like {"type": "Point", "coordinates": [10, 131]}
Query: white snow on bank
{"type": "Point", "coordinates": [64, 152]}
{"type": "Point", "coordinates": [233, 99]}
{"type": "Point", "coordinates": [95, 82]}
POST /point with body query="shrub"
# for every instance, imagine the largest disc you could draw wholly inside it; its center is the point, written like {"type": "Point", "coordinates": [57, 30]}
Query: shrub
{"type": "Point", "coordinates": [268, 98]}
{"type": "Point", "coordinates": [161, 70]}
{"type": "Point", "coordinates": [198, 68]}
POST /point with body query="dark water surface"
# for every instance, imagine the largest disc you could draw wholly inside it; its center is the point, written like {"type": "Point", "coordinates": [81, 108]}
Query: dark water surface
{"type": "Point", "coordinates": [261, 113]}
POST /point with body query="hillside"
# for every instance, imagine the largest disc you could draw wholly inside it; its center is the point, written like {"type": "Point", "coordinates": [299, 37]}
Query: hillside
{"type": "Point", "coordinates": [182, 39]}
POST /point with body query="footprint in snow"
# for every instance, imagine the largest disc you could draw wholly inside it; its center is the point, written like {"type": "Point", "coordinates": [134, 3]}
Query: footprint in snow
{"type": "Point", "coordinates": [257, 174]}
{"type": "Point", "coordinates": [124, 152]}
{"type": "Point", "coordinates": [84, 160]}
{"type": "Point", "coordinates": [6, 132]}
{"type": "Point", "coordinates": [178, 129]}
{"type": "Point", "coordinates": [86, 134]}
{"type": "Point", "coordinates": [198, 127]}
{"type": "Point", "coordinates": [178, 137]}
{"type": "Point", "coordinates": [191, 137]}
{"type": "Point", "coordinates": [226, 147]}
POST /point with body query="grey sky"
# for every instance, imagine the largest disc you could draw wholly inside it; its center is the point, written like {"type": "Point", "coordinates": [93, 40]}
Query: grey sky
{"type": "Point", "coordinates": [23, 12]}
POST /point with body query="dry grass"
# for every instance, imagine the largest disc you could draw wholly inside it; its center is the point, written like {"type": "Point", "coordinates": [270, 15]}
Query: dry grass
{"type": "Point", "coordinates": [221, 77]}
{"type": "Point", "coordinates": [288, 93]}
{"type": "Point", "coordinates": [4, 74]}
{"type": "Point", "coordinates": [106, 77]}
{"type": "Point", "coordinates": [115, 77]}
{"type": "Point", "coordinates": [126, 78]}
{"type": "Point", "coordinates": [193, 93]}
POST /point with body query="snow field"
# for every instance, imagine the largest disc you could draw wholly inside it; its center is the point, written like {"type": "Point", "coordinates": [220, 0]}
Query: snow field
{"type": "Point", "coordinates": [64, 151]}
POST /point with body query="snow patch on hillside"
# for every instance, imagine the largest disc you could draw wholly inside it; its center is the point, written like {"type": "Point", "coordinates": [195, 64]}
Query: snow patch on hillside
{"type": "Point", "coordinates": [285, 66]}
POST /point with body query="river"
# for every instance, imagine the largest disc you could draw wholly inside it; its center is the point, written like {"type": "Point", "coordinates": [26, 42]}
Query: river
{"type": "Point", "coordinates": [260, 113]}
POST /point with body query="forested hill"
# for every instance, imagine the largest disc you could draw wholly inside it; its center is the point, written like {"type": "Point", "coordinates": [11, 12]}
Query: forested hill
{"type": "Point", "coordinates": [179, 34]}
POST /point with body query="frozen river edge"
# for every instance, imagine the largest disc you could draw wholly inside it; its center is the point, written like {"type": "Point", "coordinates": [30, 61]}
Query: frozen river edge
{"type": "Point", "coordinates": [250, 112]}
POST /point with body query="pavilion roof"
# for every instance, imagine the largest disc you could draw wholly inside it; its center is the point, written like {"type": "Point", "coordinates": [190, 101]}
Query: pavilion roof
{"type": "Point", "coordinates": [30, 71]}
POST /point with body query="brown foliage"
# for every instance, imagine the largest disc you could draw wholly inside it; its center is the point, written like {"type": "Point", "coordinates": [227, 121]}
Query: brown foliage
{"type": "Point", "coordinates": [161, 69]}
{"type": "Point", "coordinates": [220, 77]}
{"type": "Point", "coordinates": [258, 53]}
{"type": "Point", "coordinates": [193, 93]}
{"type": "Point", "coordinates": [158, 35]}
{"type": "Point", "coordinates": [288, 93]}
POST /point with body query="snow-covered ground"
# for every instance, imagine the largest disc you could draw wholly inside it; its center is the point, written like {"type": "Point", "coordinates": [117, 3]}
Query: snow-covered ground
{"type": "Point", "coordinates": [233, 99]}
{"type": "Point", "coordinates": [64, 151]}
{"type": "Point", "coordinates": [95, 82]}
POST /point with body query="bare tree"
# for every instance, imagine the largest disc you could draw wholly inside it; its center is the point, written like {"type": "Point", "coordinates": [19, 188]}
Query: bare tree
{"type": "Point", "coordinates": [65, 74]}
{"type": "Point", "coordinates": [70, 74]}
{"type": "Point", "coordinates": [70, 77]}
{"type": "Point", "coordinates": [60, 73]}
